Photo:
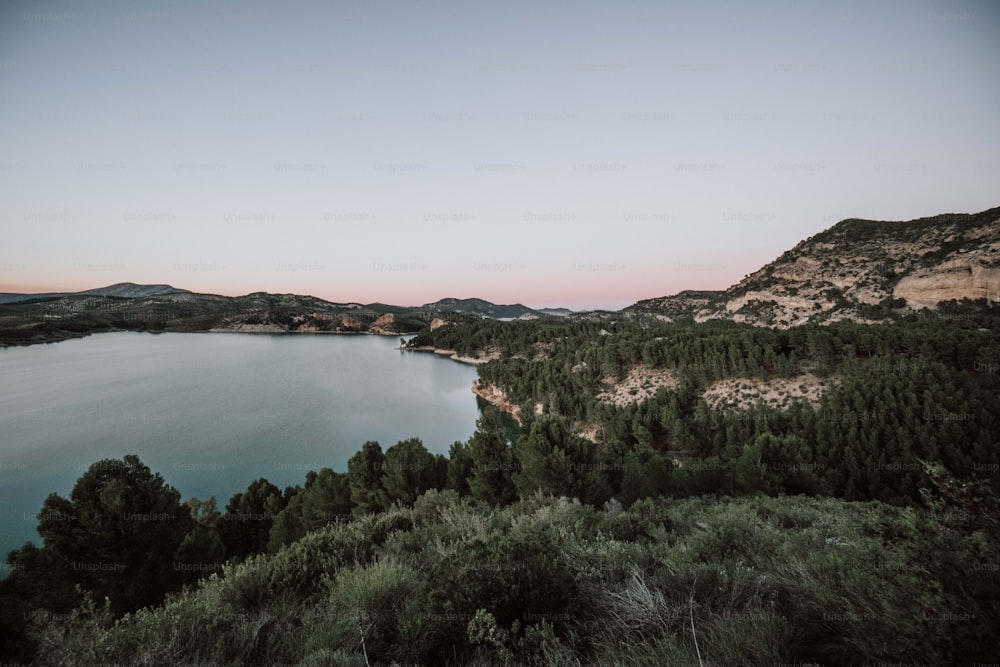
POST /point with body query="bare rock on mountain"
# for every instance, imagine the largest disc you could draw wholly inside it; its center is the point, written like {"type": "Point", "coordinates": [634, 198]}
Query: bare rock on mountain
{"type": "Point", "coordinates": [973, 277]}
{"type": "Point", "coordinates": [862, 270]}
{"type": "Point", "coordinates": [384, 324]}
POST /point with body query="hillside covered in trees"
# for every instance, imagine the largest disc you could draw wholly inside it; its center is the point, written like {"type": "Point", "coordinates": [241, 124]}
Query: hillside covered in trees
{"type": "Point", "coordinates": [888, 396]}
{"type": "Point", "coordinates": [649, 506]}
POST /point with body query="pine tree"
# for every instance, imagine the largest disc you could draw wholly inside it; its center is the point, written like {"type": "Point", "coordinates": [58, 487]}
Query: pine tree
{"type": "Point", "coordinates": [245, 528]}
{"type": "Point", "coordinates": [492, 461]}
{"type": "Point", "coordinates": [364, 474]}
{"type": "Point", "coordinates": [460, 467]}
{"type": "Point", "coordinates": [407, 471]}
{"type": "Point", "coordinates": [646, 474]}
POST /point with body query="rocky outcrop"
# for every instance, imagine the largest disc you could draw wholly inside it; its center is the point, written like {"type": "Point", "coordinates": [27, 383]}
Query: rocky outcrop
{"type": "Point", "coordinates": [496, 397]}
{"type": "Point", "coordinates": [965, 277]}
{"type": "Point", "coordinates": [350, 322]}
{"type": "Point", "coordinates": [384, 324]}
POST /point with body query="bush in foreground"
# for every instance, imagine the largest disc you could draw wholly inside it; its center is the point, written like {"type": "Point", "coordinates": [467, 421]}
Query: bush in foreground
{"type": "Point", "coordinates": [549, 581]}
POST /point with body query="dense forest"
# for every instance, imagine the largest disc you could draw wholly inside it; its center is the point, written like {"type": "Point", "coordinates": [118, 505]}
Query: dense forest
{"type": "Point", "coordinates": [681, 527]}
{"type": "Point", "coordinates": [924, 388]}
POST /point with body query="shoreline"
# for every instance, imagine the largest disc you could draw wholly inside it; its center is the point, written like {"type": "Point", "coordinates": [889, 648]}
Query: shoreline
{"type": "Point", "coordinates": [498, 399]}
{"type": "Point", "coordinates": [74, 335]}
{"type": "Point", "coordinates": [278, 333]}
{"type": "Point", "coordinates": [451, 354]}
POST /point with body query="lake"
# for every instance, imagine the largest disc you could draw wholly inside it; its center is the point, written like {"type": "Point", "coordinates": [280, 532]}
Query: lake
{"type": "Point", "coordinates": [213, 412]}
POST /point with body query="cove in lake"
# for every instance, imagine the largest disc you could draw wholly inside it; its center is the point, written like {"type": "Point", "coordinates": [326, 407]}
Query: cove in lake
{"type": "Point", "coordinates": [213, 412]}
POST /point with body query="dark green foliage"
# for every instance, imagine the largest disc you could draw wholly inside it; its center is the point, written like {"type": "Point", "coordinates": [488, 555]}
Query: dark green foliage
{"type": "Point", "coordinates": [645, 474]}
{"type": "Point", "coordinates": [408, 470]}
{"type": "Point", "coordinates": [377, 611]}
{"type": "Point", "coordinates": [460, 467]}
{"type": "Point", "coordinates": [115, 537]}
{"type": "Point", "coordinates": [36, 589]}
{"type": "Point", "coordinates": [750, 472]}
{"type": "Point", "coordinates": [325, 499]}
{"type": "Point", "coordinates": [364, 474]}
{"type": "Point", "coordinates": [202, 550]}
{"type": "Point", "coordinates": [245, 528]}
{"type": "Point", "coordinates": [492, 462]}
{"type": "Point", "coordinates": [519, 579]}
{"type": "Point", "coordinates": [761, 581]}
{"type": "Point", "coordinates": [921, 388]}
{"type": "Point", "coordinates": [288, 525]}
{"type": "Point", "coordinates": [557, 462]}
{"type": "Point", "coordinates": [117, 533]}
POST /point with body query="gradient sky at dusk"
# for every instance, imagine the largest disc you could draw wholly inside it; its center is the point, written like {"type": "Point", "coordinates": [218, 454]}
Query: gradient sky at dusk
{"type": "Point", "coordinates": [554, 152]}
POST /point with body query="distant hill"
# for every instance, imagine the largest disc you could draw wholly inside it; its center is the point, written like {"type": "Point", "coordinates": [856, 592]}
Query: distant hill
{"type": "Point", "coordinates": [677, 306]}
{"type": "Point", "coordinates": [862, 270]}
{"type": "Point", "coordinates": [132, 290]}
{"type": "Point", "coordinates": [164, 308]}
{"type": "Point", "coordinates": [479, 307]}
{"type": "Point", "coordinates": [39, 318]}
{"type": "Point", "coordinates": [128, 290]}
{"type": "Point", "coordinates": [556, 312]}
{"type": "Point", "coordinates": [13, 297]}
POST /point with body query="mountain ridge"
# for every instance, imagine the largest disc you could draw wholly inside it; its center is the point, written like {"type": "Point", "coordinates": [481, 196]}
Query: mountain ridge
{"type": "Point", "coordinates": [863, 270]}
{"type": "Point", "coordinates": [48, 317]}
{"type": "Point", "coordinates": [857, 269]}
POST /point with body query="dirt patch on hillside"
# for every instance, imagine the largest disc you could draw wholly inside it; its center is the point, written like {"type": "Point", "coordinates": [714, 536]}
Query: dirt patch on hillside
{"type": "Point", "coordinates": [589, 431]}
{"type": "Point", "coordinates": [778, 392]}
{"type": "Point", "coordinates": [640, 383]}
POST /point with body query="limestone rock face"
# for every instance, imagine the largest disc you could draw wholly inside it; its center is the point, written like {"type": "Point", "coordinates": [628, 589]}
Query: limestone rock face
{"type": "Point", "coordinates": [383, 325]}
{"type": "Point", "coordinates": [348, 321]}
{"type": "Point", "coordinates": [495, 396]}
{"type": "Point", "coordinates": [956, 279]}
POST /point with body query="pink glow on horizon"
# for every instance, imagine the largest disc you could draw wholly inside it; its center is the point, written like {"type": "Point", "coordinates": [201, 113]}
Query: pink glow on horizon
{"type": "Point", "coordinates": [612, 296]}
{"type": "Point", "coordinates": [609, 285]}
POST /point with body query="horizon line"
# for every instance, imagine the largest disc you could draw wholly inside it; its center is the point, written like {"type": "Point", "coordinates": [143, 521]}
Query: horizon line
{"type": "Point", "coordinates": [591, 305]}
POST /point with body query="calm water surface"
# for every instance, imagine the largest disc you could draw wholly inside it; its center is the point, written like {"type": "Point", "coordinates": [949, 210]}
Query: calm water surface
{"type": "Point", "coordinates": [213, 412]}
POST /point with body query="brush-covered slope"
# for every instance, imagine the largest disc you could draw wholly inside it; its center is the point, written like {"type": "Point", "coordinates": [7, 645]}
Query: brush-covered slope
{"type": "Point", "coordinates": [754, 581]}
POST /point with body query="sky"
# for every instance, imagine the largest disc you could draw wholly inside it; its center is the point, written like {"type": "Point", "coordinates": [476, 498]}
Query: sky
{"type": "Point", "coordinates": [573, 153]}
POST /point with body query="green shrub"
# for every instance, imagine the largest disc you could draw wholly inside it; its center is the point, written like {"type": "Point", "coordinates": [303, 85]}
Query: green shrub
{"type": "Point", "coordinates": [546, 581]}
{"type": "Point", "coordinates": [377, 610]}
{"type": "Point", "coordinates": [515, 578]}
